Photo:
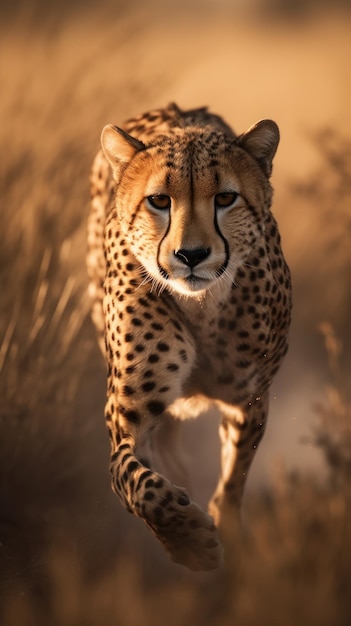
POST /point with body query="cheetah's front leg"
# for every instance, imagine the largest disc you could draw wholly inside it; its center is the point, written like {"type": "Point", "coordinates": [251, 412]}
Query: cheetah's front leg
{"type": "Point", "coordinates": [140, 390]}
{"type": "Point", "coordinates": [240, 431]}
{"type": "Point", "coordinates": [186, 531]}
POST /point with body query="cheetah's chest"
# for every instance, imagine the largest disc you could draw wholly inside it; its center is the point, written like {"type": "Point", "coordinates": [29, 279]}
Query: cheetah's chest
{"type": "Point", "coordinates": [236, 351]}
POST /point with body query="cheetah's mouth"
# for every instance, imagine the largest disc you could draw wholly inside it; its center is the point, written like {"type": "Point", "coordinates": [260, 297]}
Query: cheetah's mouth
{"type": "Point", "coordinates": [196, 283]}
{"type": "Point", "coordinates": [192, 281]}
{"type": "Point", "coordinates": [192, 278]}
{"type": "Point", "coordinates": [199, 283]}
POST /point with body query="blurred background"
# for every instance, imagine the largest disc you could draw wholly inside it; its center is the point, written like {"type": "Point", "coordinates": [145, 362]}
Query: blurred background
{"type": "Point", "coordinates": [67, 549]}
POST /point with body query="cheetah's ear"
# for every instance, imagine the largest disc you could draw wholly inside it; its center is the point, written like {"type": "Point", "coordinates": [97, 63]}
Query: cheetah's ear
{"type": "Point", "coordinates": [261, 141]}
{"type": "Point", "coordinates": [119, 147]}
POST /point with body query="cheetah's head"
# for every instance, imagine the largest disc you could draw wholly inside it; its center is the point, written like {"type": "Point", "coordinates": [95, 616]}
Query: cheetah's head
{"type": "Point", "coordinates": [192, 204]}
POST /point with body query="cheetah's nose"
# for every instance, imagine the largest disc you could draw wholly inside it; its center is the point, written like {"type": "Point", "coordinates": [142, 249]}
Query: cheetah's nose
{"type": "Point", "coordinates": [192, 257]}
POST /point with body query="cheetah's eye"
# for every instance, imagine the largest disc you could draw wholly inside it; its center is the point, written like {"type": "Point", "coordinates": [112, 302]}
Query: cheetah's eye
{"type": "Point", "coordinates": [225, 199]}
{"type": "Point", "coordinates": [160, 202]}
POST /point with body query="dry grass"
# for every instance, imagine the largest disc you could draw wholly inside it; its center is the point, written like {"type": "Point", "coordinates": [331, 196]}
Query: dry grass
{"type": "Point", "coordinates": [68, 554]}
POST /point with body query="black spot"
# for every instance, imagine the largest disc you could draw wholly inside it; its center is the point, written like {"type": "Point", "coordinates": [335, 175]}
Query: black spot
{"type": "Point", "coordinates": [155, 407]}
{"type": "Point", "coordinates": [151, 296]}
{"type": "Point", "coordinates": [179, 337]}
{"type": "Point", "coordinates": [162, 347]}
{"type": "Point", "coordinates": [149, 495]}
{"type": "Point", "coordinates": [136, 321]}
{"type": "Point", "coordinates": [149, 483]}
{"type": "Point", "coordinates": [148, 374]}
{"type": "Point", "coordinates": [148, 336]}
{"type": "Point", "coordinates": [149, 386]}
{"type": "Point", "coordinates": [183, 355]}
{"type": "Point", "coordinates": [115, 456]}
{"type": "Point", "coordinates": [176, 324]}
{"type": "Point", "coordinates": [128, 391]}
{"type": "Point", "coordinates": [132, 465]}
{"type": "Point", "coordinates": [243, 364]}
{"type": "Point", "coordinates": [156, 326]}
{"type": "Point", "coordinates": [183, 500]}
{"type": "Point", "coordinates": [243, 334]}
{"type": "Point", "coordinates": [144, 476]}
{"type": "Point", "coordinates": [242, 347]}
{"type": "Point", "coordinates": [167, 498]}
{"type": "Point", "coordinates": [172, 367]}
{"type": "Point", "coordinates": [132, 416]}
{"type": "Point", "coordinates": [143, 302]}
{"type": "Point", "coordinates": [153, 358]}
{"type": "Point", "coordinates": [161, 311]}
{"type": "Point", "coordinates": [128, 337]}
{"type": "Point", "coordinates": [159, 483]}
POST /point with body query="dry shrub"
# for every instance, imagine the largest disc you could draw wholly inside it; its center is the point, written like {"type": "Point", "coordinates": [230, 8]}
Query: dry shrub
{"type": "Point", "coordinates": [323, 267]}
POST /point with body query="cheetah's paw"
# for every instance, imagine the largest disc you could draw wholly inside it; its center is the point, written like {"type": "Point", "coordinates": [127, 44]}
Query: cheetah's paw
{"type": "Point", "coordinates": [186, 531]}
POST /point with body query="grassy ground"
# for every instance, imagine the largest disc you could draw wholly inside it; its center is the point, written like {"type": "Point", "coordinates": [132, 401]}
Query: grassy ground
{"type": "Point", "coordinates": [68, 553]}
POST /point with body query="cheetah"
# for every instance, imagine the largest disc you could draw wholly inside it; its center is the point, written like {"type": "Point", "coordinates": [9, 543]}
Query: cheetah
{"type": "Point", "coordinates": [191, 299]}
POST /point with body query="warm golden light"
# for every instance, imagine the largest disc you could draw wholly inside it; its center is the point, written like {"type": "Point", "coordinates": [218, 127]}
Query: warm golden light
{"type": "Point", "coordinates": [66, 72]}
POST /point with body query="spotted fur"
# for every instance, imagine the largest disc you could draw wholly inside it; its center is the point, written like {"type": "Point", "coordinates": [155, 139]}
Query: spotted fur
{"type": "Point", "coordinates": [191, 299]}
